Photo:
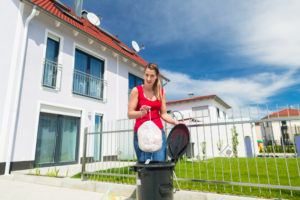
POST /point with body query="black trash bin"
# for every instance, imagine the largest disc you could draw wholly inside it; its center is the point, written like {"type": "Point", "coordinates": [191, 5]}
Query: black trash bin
{"type": "Point", "coordinates": [155, 180]}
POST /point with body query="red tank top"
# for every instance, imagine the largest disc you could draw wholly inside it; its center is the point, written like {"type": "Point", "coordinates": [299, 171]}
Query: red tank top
{"type": "Point", "coordinates": [155, 110]}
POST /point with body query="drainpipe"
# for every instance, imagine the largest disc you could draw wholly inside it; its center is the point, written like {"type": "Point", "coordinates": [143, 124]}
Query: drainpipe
{"type": "Point", "coordinates": [117, 91]}
{"type": "Point", "coordinates": [17, 100]}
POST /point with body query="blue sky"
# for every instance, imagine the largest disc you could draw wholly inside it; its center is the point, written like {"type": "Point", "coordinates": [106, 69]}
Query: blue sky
{"type": "Point", "coordinates": [246, 52]}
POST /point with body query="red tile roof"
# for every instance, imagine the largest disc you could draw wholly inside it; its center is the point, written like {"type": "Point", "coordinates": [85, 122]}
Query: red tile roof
{"type": "Point", "coordinates": [288, 112]}
{"type": "Point", "coordinates": [200, 98]}
{"type": "Point", "coordinates": [66, 15]}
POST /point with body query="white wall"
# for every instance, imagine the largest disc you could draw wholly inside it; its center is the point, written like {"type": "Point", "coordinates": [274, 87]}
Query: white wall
{"type": "Point", "coordinates": [273, 130]}
{"type": "Point", "coordinates": [213, 130]}
{"type": "Point", "coordinates": [9, 39]}
{"type": "Point", "coordinates": [34, 96]}
{"type": "Point", "coordinates": [222, 134]}
{"type": "Point", "coordinates": [186, 109]}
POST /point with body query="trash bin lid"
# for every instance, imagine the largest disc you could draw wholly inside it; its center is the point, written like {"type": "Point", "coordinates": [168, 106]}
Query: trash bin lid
{"type": "Point", "coordinates": [155, 164]}
{"type": "Point", "coordinates": [178, 140]}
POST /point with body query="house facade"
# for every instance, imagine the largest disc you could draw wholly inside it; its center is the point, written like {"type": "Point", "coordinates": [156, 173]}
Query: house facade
{"type": "Point", "coordinates": [279, 127]}
{"type": "Point", "coordinates": [59, 75]}
{"type": "Point", "coordinates": [212, 126]}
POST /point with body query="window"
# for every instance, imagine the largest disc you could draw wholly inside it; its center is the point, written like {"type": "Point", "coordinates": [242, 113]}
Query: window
{"type": "Point", "coordinates": [58, 140]}
{"type": "Point", "coordinates": [88, 75]}
{"type": "Point", "coordinates": [98, 137]}
{"type": "Point", "coordinates": [200, 111]}
{"type": "Point", "coordinates": [218, 112]}
{"type": "Point", "coordinates": [51, 67]}
{"type": "Point", "coordinates": [297, 130]}
{"type": "Point", "coordinates": [134, 81]}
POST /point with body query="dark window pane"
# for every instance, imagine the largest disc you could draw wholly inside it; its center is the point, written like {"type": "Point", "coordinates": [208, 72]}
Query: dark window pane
{"type": "Point", "coordinates": [134, 81]}
{"type": "Point", "coordinates": [81, 61]}
{"type": "Point", "coordinates": [95, 67]}
{"type": "Point", "coordinates": [57, 140]}
{"type": "Point", "coordinates": [88, 79]}
{"type": "Point", "coordinates": [139, 81]}
{"type": "Point", "coordinates": [97, 137]}
{"type": "Point", "coordinates": [52, 50]}
{"type": "Point", "coordinates": [68, 142]}
{"type": "Point", "coordinates": [131, 81]}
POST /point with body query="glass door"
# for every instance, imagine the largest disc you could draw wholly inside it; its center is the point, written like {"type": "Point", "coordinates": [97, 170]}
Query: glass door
{"type": "Point", "coordinates": [98, 137]}
{"type": "Point", "coordinates": [68, 140]}
{"type": "Point", "coordinates": [58, 140]}
{"type": "Point", "coordinates": [46, 141]}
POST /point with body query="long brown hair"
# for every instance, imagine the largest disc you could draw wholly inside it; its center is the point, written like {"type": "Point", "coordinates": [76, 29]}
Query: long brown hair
{"type": "Point", "coordinates": [157, 87]}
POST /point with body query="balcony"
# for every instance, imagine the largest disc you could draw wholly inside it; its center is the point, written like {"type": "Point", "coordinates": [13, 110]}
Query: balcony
{"type": "Point", "coordinates": [52, 70]}
{"type": "Point", "coordinates": [88, 85]}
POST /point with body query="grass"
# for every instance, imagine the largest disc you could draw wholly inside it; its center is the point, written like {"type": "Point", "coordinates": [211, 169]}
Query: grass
{"type": "Point", "coordinates": [280, 172]}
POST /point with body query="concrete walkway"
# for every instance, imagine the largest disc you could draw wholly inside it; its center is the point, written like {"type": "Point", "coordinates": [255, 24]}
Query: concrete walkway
{"type": "Point", "coordinates": [16, 190]}
{"type": "Point", "coordinates": [22, 187]}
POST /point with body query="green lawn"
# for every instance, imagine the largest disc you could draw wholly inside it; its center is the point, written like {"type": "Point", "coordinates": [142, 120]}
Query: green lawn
{"type": "Point", "coordinates": [227, 169]}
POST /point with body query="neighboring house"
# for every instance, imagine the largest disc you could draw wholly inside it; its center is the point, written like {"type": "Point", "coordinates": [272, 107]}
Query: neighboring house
{"type": "Point", "coordinates": [279, 127]}
{"type": "Point", "coordinates": [212, 128]}
{"type": "Point", "coordinates": [59, 74]}
{"type": "Point", "coordinates": [200, 107]}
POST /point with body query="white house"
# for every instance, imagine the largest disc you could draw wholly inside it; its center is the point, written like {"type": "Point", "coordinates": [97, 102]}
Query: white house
{"type": "Point", "coordinates": [279, 127]}
{"type": "Point", "coordinates": [212, 128]}
{"type": "Point", "coordinates": [59, 74]}
{"type": "Point", "coordinates": [200, 107]}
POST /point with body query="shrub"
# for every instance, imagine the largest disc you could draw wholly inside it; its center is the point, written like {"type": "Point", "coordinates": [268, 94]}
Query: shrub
{"type": "Point", "coordinates": [235, 141]}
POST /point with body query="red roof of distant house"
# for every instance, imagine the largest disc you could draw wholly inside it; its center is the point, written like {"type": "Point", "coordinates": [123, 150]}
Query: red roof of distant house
{"type": "Point", "coordinates": [289, 112]}
{"type": "Point", "coordinates": [65, 14]}
{"type": "Point", "coordinates": [200, 98]}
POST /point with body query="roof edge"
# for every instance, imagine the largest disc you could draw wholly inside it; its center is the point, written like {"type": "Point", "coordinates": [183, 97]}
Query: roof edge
{"type": "Point", "coordinates": [215, 97]}
{"type": "Point", "coordinates": [82, 32]}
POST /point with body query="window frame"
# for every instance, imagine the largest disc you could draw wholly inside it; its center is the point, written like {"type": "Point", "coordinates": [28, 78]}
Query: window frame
{"type": "Point", "coordinates": [87, 71]}
{"type": "Point", "coordinates": [58, 75]}
{"type": "Point", "coordinates": [137, 81]}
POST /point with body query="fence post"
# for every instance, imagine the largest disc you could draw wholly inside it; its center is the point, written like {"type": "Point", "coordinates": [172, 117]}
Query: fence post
{"type": "Point", "coordinates": [83, 162]}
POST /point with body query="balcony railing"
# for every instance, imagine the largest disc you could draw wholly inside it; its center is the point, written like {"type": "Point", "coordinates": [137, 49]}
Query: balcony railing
{"type": "Point", "coordinates": [52, 70]}
{"type": "Point", "coordinates": [88, 85]}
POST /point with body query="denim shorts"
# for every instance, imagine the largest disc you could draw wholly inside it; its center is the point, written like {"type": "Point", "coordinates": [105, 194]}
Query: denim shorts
{"type": "Point", "coordinates": [159, 155]}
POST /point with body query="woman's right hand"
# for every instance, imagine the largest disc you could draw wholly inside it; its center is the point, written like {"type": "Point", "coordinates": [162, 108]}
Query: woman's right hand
{"type": "Point", "coordinates": [144, 110]}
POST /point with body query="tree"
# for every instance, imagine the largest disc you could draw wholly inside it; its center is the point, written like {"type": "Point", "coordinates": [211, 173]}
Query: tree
{"type": "Point", "coordinates": [203, 147]}
{"type": "Point", "coordinates": [235, 141]}
{"type": "Point", "coordinates": [219, 145]}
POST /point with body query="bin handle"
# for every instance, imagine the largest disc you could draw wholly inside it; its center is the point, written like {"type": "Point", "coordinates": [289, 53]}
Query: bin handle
{"type": "Point", "coordinates": [165, 189]}
{"type": "Point", "coordinates": [175, 177]}
{"type": "Point", "coordinates": [143, 172]}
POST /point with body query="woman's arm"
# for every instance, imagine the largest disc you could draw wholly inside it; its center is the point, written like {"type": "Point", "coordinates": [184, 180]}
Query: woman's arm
{"type": "Point", "coordinates": [163, 112]}
{"type": "Point", "coordinates": [133, 102]}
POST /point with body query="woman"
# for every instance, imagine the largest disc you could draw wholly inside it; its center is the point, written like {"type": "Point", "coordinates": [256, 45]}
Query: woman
{"type": "Point", "coordinates": [148, 100]}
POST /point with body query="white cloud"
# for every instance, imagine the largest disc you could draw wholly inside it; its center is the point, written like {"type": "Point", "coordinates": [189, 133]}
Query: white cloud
{"type": "Point", "coordinates": [264, 32]}
{"type": "Point", "coordinates": [190, 21]}
{"type": "Point", "coordinates": [272, 34]}
{"type": "Point", "coordinates": [267, 32]}
{"type": "Point", "coordinates": [235, 91]}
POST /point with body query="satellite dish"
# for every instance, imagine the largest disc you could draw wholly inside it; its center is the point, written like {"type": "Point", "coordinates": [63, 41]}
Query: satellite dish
{"type": "Point", "coordinates": [135, 46]}
{"type": "Point", "coordinates": [94, 19]}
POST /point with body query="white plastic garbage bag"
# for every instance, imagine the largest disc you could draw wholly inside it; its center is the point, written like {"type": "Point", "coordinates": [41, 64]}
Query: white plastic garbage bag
{"type": "Point", "coordinates": [149, 137]}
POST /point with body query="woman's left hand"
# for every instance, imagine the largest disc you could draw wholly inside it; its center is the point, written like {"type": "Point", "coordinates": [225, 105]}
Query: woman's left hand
{"type": "Point", "coordinates": [179, 122]}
